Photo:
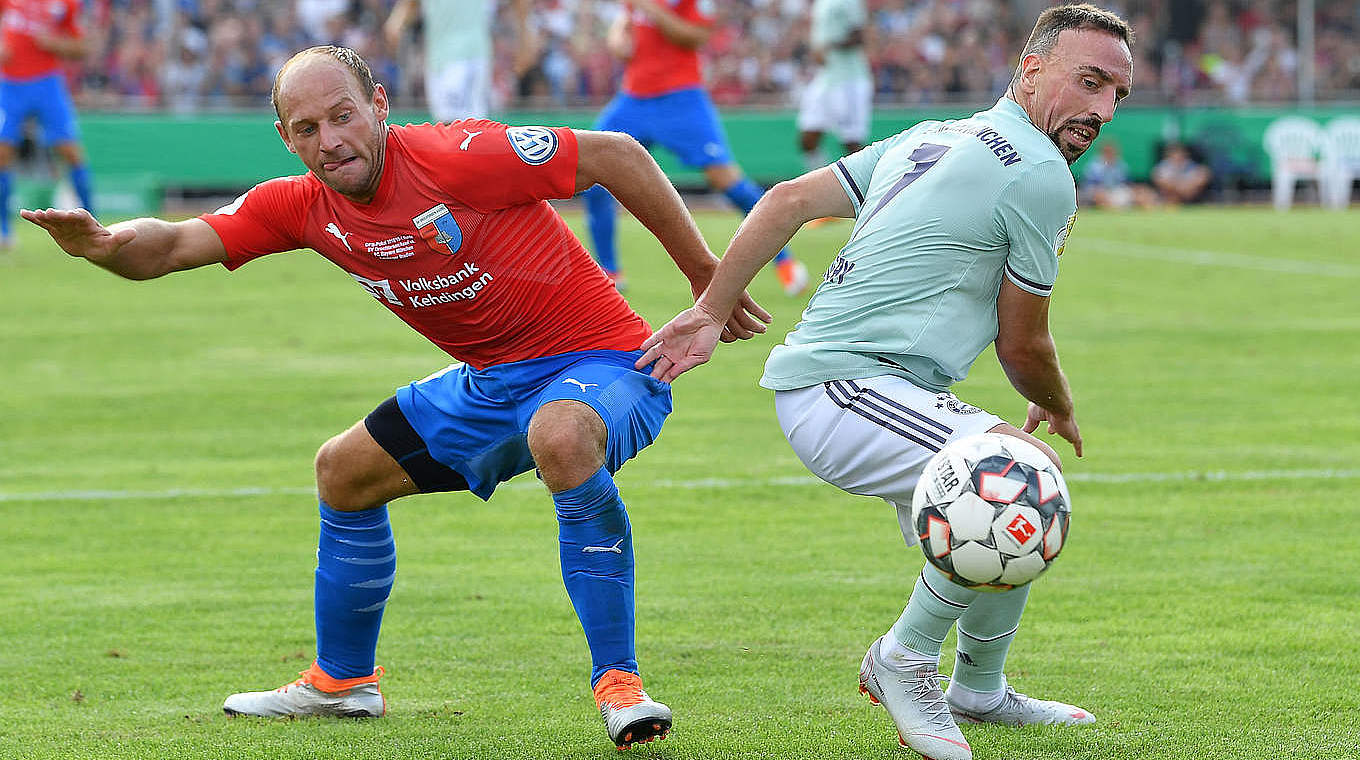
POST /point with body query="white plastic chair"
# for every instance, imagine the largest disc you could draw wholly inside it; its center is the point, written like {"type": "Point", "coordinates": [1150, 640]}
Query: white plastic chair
{"type": "Point", "coordinates": [1341, 159]}
{"type": "Point", "coordinates": [1294, 144]}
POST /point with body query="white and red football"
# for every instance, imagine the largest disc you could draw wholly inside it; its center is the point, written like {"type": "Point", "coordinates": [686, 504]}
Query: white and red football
{"type": "Point", "coordinates": [992, 511]}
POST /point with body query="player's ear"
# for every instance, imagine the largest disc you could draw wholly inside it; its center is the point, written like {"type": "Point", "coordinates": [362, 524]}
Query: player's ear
{"type": "Point", "coordinates": [1029, 71]}
{"type": "Point", "coordinates": [380, 109]}
{"type": "Point", "coordinates": [284, 136]}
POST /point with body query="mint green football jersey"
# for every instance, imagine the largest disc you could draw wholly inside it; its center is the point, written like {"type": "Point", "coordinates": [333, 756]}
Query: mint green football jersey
{"type": "Point", "coordinates": [943, 211]}
{"type": "Point", "coordinates": [832, 23]}
{"type": "Point", "coordinates": [457, 30]}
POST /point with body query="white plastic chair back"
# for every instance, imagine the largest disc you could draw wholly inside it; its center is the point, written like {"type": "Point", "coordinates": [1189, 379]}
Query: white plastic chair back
{"type": "Point", "coordinates": [1294, 144]}
{"type": "Point", "coordinates": [1341, 158]}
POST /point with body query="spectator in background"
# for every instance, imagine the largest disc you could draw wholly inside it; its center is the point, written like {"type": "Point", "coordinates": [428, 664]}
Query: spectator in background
{"type": "Point", "coordinates": [314, 16]}
{"type": "Point", "coordinates": [1178, 177]}
{"type": "Point", "coordinates": [930, 51]}
{"type": "Point", "coordinates": [35, 37]}
{"type": "Point", "coordinates": [182, 76]}
{"type": "Point", "coordinates": [1105, 182]}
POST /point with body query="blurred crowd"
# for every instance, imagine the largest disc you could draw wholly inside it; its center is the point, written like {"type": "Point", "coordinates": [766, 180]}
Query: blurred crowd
{"type": "Point", "coordinates": [187, 55]}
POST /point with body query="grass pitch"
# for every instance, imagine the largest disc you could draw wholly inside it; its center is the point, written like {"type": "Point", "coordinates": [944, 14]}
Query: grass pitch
{"type": "Point", "coordinates": [155, 480]}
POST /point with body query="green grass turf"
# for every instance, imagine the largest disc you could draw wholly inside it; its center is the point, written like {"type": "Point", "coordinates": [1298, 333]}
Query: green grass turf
{"type": "Point", "coordinates": [1208, 612]}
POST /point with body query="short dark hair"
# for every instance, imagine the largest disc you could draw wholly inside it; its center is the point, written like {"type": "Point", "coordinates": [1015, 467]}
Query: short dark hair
{"type": "Point", "coordinates": [352, 60]}
{"type": "Point", "coordinates": [1054, 20]}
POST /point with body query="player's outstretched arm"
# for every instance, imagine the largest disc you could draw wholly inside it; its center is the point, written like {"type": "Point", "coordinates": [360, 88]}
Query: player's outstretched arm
{"type": "Point", "coordinates": [138, 250]}
{"type": "Point", "coordinates": [622, 166]}
{"type": "Point", "coordinates": [1025, 348]}
{"type": "Point", "coordinates": [618, 40]}
{"type": "Point", "coordinates": [403, 14]}
{"type": "Point", "coordinates": [688, 340]}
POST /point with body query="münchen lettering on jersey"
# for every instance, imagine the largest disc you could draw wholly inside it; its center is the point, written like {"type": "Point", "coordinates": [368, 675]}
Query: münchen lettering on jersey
{"type": "Point", "coordinates": [994, 140]}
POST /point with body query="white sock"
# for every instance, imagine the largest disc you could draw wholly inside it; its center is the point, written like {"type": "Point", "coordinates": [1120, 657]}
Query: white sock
{"type": "Point", "coordinates": [895, 655]}
{"type": "Point", "coordinates": [971, 701]}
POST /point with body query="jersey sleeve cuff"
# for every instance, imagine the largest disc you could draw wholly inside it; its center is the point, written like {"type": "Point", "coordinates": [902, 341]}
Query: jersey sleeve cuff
{"type": "Point", "coordinates": [852, 190]}
{"type": "Point", "coordinates": [1028, 285]}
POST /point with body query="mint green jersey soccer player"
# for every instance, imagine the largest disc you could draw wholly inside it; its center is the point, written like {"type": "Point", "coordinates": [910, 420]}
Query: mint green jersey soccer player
{"type": "Point", "coordinates": [958, 230]}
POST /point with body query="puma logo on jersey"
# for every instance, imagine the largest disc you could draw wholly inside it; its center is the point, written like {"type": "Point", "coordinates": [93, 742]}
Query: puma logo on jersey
{"type": "Point", "coordinates": [468, 140]}
{"type": "Point", "coordinates": [596, 549]}
{"type": "Point", "coordinates": [583, 386]}
{"type": "Point", "coordinates": [341, 236]}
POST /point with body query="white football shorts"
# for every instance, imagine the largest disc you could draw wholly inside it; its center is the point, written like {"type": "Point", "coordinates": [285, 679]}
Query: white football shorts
{"type": "Point", "coordinates": [839, 108]}
{"type": "Point", "coordinates": [460, 90]}
{"type": "Point", "coordinates": [873, 437]}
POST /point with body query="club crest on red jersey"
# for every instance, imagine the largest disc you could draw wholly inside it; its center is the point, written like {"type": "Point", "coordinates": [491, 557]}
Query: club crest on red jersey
{"type": "Point", "coordinates": [438, 227]}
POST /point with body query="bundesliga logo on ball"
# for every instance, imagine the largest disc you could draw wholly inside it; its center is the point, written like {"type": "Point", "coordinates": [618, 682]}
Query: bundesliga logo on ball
{"type": "Point", "coordinates": [991, 511]}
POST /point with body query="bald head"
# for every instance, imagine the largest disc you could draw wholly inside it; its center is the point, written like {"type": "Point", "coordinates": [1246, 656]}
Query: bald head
{"type": "Point", "coordinates": [334, 117]}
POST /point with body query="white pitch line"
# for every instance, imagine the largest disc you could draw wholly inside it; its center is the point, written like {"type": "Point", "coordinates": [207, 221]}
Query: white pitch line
{"type": "Point", "coordinates": [1221, 258]}
{"type": "Point", "coordinates": [799, 481]}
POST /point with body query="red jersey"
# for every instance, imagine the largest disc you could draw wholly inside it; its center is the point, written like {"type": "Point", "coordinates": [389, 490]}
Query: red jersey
{"type": "Point", "coordinates": [659, 66]}
{"type": "Point", "coordinates": [22, 22]}
{"type": "Point", "coordinates": [458, 241]}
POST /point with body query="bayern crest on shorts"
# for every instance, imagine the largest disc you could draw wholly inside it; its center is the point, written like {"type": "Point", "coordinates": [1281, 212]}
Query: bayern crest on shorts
{"type": "Point", "coordinates": [438, 227]}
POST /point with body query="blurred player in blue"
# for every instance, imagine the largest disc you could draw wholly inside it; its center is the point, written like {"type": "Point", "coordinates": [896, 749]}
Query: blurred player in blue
{"type": "Point", "coordinates": [35, 35]}
{"type": "Point", "coordinates": [663, 102]}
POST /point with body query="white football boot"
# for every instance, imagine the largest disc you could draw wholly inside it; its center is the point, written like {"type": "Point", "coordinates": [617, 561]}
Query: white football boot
{"type": "Point", "coordinates": [630, 716]}
{"type": "Point", "coordinates": [1016, 709]}
{"type": "Point", "coordinates": [914, 701]}
{"type": "Point", "coordinates": [315, 693]}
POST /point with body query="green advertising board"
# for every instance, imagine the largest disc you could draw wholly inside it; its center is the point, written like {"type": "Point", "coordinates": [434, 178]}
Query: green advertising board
{"type": "Point", "coordinates": [136, 157]}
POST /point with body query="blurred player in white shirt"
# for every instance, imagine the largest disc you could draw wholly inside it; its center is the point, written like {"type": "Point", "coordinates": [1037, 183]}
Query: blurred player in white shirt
{"type": "Point", "coordinates": [840, 97]}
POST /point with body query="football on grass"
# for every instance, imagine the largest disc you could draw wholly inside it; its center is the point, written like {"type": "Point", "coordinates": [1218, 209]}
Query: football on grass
{"type": "Point", "coordinates": [991, 511]}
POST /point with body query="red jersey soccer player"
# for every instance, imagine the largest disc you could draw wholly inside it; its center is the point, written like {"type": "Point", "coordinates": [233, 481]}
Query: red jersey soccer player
{"type": "Point", "coordinates": [446, 225]}
{"type": "Point", "coordinates": [35, 35]}
{"type": "Point", "coordinates": [663, 102]}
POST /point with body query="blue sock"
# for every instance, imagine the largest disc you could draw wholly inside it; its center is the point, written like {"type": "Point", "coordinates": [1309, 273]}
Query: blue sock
{"type": "Point", "coordinates": [6, 187]}
{"type": "Point", "coordinates": [356, 562]}
{"type": "Point", "coordinates": [596, 546]}
{"type": "Point", "coordinates": [744, 195]}
{"type": "Point", "coordinates": [80, 180]}
{"type": "Point", "coordinates": [601, 208]}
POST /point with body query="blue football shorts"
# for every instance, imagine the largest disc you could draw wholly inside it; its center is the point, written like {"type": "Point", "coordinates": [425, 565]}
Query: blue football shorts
{"type": "Point", "coordinates": [683, 122]}
{"type": "Point", "coordinates": [44, 98]}
{"type": "Point", "coordinates": [477, 422]}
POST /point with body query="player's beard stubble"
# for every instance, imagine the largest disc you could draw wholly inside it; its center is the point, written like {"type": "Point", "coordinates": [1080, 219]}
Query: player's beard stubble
{"type": "Point", "coordinates": [1070, 150]}
{"type": "Point", "coordinates": [350, 179]}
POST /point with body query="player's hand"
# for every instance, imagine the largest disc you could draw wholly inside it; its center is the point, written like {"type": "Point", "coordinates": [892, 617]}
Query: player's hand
{"type": "Point", "coordinates": [1063, 425]}
{"type": "Point", "coordinates": [77, 232]}
{"type": "Point", "coordinates": [619, 41]}
{"type": "Point", "coordinates": [682, 343]}
{"type": "Point", "coordinates": [527, 54]}
{"type": "Point", "coordinates": [747, 320]}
